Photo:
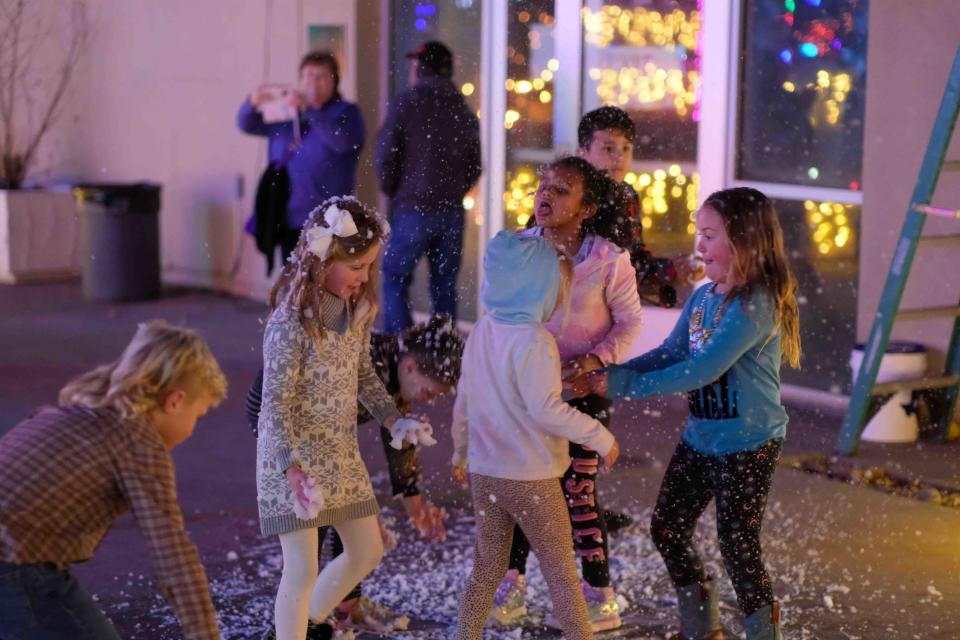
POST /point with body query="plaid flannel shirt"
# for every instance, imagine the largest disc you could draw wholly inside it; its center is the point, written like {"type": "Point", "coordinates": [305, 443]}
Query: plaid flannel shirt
{"type": "Point", "coordinates": [66, 474]}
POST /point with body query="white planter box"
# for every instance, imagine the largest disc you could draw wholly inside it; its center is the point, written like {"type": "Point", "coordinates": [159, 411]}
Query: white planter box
{"type": "Point", "coordinates": [39, 236]}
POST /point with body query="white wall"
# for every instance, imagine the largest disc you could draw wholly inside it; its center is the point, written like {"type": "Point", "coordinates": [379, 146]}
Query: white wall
{"type": "Point", "coordinates": [156, 100]}
{"type": "Point", "coordinates": [911, 47]}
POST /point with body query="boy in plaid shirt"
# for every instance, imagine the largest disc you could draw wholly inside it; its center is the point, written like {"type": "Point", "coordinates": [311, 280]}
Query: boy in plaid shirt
{"type": "Point", "coordinates": [68, 472]}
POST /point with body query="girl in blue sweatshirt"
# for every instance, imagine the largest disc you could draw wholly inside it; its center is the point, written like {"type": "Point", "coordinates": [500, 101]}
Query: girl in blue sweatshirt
{"type": "Point", "coordinates": [725, 353]}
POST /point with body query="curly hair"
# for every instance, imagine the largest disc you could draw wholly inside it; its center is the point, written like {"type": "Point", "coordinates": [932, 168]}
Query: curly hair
{"type": "Point", "coordinates": [612, 219]}
{"type": "Point", "coordinates": [437, 348]}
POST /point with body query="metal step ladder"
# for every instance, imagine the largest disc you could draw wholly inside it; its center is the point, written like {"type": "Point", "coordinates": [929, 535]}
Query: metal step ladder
{"type": "Point", "coordinates": [939, 393]}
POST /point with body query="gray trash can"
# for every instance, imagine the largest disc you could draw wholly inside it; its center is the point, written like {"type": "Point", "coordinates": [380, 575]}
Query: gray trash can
{"type": "Point", "coordinates": [120, 230]}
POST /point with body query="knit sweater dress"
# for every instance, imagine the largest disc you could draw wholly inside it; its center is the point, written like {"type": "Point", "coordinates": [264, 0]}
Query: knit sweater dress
{"type": "Point", "coordinates": [309, 416]}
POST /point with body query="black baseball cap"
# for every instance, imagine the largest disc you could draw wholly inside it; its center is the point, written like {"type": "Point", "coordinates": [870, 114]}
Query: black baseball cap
{"type": "Point", "coordinates": [435, 56]}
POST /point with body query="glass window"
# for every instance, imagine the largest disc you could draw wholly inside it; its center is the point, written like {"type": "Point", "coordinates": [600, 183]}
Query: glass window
{"type": "Point", "coordinates": [802, 92]}
{"type": "Point", "coordinates": [453, 22]}
{"type": "Point", "coordinates": [668, 200]}
{"type": "Point", "coordinates": [644, 57]}
{"type": "Point", "coordinates": [530, 67]}
{"type": "Point", "coordinates": [531, 64]}
{"type": "Point", "coordinates": [823, 245]}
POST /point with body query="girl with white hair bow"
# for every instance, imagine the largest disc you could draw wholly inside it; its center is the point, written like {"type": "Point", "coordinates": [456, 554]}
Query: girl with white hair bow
{"type": "Point", "coordinates": [317, 365]}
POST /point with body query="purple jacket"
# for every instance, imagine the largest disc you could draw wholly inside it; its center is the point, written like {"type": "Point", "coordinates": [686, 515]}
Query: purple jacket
{"type": "Point", "coordinates": [325, 165]}
{"type": "Point", "coordinates": [428, 151]}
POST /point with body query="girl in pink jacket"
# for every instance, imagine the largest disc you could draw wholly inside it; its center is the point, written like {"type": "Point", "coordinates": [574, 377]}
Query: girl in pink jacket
{"type": "Point", "coordinates": [580, 210]}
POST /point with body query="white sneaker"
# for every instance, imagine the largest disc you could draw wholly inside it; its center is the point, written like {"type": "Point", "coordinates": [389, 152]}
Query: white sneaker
{"type": "Point", "coordinates": [510, 601]}
{"type": "Point", "coordinates": [602, 608]}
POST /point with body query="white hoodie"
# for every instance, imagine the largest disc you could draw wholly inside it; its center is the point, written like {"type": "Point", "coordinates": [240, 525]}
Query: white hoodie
{"type": "Point", "coordinates": [509, 395]}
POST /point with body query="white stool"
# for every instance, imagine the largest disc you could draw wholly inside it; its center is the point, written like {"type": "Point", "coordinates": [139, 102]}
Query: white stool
{"type": "Point", "coordinates": [901, 361]}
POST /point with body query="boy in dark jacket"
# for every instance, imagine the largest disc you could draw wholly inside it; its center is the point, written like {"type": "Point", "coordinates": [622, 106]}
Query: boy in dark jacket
{"type": "Point", "coordinates": [605, 139]}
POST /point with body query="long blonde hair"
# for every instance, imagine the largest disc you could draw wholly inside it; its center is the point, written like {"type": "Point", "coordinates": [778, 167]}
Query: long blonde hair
{"type": "Point", "coordinates": [160, 358]}
{"type": "Point", "coordinates": [760, 260]}
{"type": "Point", "coordinates": [300, 284]}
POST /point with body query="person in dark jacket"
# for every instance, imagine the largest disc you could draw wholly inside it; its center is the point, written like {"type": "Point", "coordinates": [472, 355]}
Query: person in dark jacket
{"type": "Point", "coordinates": [427, 158]}
{"type": "Point", "coordinates": [319, 148]}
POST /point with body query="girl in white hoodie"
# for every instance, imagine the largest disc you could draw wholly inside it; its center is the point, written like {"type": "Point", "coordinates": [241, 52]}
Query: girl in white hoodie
{"type": "Point", "coordinates": [512, 430]}
{"type": "Point", "coordinates": [580, 210]}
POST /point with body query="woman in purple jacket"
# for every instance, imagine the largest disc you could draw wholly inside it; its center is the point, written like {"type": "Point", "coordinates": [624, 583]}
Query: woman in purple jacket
{"type": "Point", "coordinates": [320, 148]}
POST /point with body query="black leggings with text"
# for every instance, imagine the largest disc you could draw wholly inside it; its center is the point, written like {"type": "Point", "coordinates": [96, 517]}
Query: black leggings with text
{"type": "Point", "coordinates": [740, 483]}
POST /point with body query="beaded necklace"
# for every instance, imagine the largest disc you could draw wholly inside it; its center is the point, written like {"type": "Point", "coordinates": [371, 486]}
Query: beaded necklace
{"type": "Point", "coordinates": [698, 333]}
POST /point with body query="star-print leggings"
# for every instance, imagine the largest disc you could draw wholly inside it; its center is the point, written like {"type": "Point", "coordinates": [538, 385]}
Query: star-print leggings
{"type": "Point", "coordinates": [740, 483]}
{"type": "Point", "coordinates": [538, 507]}
{"type": "Point", "coordinates": [579, 486]}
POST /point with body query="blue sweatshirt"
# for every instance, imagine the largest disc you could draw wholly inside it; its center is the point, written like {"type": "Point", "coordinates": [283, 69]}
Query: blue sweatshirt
{"type": "Point", "coordinates": [325, 165]}
{"type": "Point", "coordinates": [731, 375]}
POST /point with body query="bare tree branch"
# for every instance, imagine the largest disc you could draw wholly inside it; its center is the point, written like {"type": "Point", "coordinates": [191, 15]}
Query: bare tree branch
{"type": "Point", "coordinates": [8, 95]}
{"type": "Point", "coordinates": [17, 82]}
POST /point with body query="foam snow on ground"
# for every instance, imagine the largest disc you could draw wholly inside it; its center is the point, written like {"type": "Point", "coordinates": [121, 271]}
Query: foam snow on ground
{"type": "Point", "coordinates": [424, 580]}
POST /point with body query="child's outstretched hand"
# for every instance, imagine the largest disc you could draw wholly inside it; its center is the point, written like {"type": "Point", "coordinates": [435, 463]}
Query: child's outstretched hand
{"type": "Point", "coordinates": [593, 383]}
{"type": "Point", "coordinates": [611, 458]}
{"type": "Point", "coordinates": [387, 535]}
{"type": "Point", "coordinates": [459, 473]}
{"type": "Point", "coordinates": [578, 366]}
{"type": "Point", "coordinates": [426, 517]}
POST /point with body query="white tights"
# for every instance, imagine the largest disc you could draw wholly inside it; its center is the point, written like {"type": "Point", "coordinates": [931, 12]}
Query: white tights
{"type": "Point", "coordinates": [303, 594]}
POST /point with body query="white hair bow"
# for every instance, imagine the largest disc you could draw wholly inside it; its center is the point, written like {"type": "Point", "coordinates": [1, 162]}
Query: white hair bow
{"type": "Point", "coordinates": [339, 223]}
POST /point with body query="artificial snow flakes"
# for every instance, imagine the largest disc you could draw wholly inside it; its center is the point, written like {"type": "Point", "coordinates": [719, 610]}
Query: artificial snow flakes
{"type": "Point", "coordinates": [314, 495]}
{"type": "Point", "coordinates": [413, 431]}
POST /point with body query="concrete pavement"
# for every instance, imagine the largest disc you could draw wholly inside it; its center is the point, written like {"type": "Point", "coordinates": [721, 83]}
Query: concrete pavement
{"type": "Point", "coordinates": [849, 562]}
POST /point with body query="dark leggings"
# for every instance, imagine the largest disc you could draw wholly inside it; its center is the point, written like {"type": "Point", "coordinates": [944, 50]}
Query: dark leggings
{"type": "Point", "coordinates": [336, 548]}
{"type": "Point", "coordinates": [740, 482]}
{"type": "Point", "coordinates": [586, 516]}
